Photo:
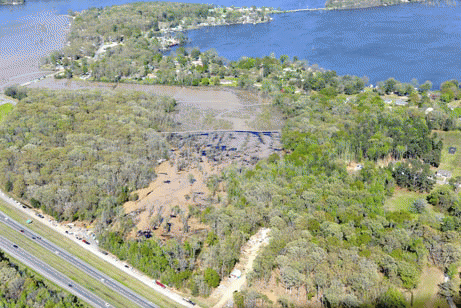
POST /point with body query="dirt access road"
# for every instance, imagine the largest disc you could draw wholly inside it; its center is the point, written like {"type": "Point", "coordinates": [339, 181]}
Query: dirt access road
{"type": "Point", "coordinates": [249, 252]}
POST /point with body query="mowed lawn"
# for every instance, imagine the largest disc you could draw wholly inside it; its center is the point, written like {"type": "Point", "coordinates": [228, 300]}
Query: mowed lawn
{"type": "Point", "coordinates": [451, 162]}
{"type": "Point", "coordinates": [4, 109]}
{"type": "Point", "coordinates": [402, 200]}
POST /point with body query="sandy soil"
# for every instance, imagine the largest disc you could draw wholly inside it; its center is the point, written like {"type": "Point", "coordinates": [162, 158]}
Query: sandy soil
{"type": "Point", "coordinates": [198, 156]}
{"type": "Point", "coordinates": [161, 197]}
{"type": "Point", "coordinates": [249, 252]}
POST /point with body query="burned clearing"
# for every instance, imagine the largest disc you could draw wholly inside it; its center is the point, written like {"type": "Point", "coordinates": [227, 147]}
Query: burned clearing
{"type": "Point", "coordinates": [223, 147]}
{"type": "Point", "coordinates": [189, 182]}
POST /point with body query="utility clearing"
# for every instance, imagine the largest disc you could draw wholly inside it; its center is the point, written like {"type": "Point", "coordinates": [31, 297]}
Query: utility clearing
{"type": "Point", "coordinates": [224, 293]}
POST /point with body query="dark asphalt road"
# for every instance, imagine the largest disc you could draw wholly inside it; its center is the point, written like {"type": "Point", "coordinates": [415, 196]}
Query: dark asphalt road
{"type": "Point", "coordinates": [83, 266]}
{"type": "Point", "coordinates": [51, 274]}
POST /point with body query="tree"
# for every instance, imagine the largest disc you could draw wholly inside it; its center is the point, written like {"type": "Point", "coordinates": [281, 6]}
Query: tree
{"type": "Point", "coordinates": [216, 81]}
{"type": "Point", "coordinates": [191, 178]}
{"type": "Point", "coordinates": [284, 59]}
{"type": "Point", "coordinates": [390, 85]}
{"type": "Point", "coordinates": [213, 184]}
{"type": "Point", "coordinates": [195, 53]}
{"type": "Point", "coordinates": [443, 197]}
{"type": "Point", "coordinates": [239, 299]}
{"type": "Point", "coordinates": [419, 206]}
{"type": "Point", "coordinates": [425, 87]}
{"type": "Point", "coordinates": [212, 278]}
{"type": "Point", "coordinates": [392, 298]}
{"type": "Point", "coordinates": [244, 81]}
{"type": "Point", "coordinates": [15, 92]}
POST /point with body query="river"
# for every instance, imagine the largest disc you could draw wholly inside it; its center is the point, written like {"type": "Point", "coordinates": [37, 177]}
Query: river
{"type": "Point", "coordinates": [405, 41]}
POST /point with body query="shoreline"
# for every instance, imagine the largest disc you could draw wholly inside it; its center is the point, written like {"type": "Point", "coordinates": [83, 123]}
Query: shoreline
{"type": "Point", "coordinates": [330, 5]}
{"type": "Point", "coordinates": [47, 32]}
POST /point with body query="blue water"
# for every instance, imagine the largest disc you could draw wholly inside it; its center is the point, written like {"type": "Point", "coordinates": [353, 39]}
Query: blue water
{"type": "Point", "coordinates": [405, 41]}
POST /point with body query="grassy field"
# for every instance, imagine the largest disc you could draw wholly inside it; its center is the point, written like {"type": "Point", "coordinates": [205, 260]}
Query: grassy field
{"type": "Point", "coordinates": [65, 268]}
{"type": "Point", "coordinates": [88, 257]}
{"type": "Point", "coordinates": [4, 109]}
{"type": "Point", "coordinates": [402, 200]}
{"type": "Point", "coordinates": [451, 162]}
{"type": "Point", "coordinates": [425, 295]}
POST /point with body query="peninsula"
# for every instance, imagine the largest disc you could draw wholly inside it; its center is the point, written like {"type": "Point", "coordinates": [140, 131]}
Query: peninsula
{"type": "Point", "coordinates": [356, 4]}
{"type": "Point", "coordinates": [6, 2]}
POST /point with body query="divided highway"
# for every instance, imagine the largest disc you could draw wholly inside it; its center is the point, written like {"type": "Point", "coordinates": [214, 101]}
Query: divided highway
{"type": "Point", "coordinates": [51, 274]}
{"type": "Point", "coordinates": [83, 266]}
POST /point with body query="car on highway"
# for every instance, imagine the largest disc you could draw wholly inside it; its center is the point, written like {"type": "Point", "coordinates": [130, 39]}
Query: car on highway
{"type": "Point", "coordinates": [22, 231]}
{"type": "Point", "coordinates": [70, 285]}
{"type": "Point", "coordinates": [189, 301]}
{"type": "Point", "coordinates": [15, 246]}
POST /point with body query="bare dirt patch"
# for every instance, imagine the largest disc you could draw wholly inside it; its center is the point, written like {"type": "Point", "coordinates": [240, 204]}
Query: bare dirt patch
{"type": "Point", "coordinates": [224, 293]}
{"type": "Point", "coordinates": [163, 208]}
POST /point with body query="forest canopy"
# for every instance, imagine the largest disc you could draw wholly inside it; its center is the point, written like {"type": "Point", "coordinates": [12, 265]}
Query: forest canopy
{"type": "Point", "coordinates": [77, 154]}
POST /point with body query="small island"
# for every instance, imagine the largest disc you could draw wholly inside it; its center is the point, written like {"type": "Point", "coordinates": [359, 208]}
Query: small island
{"type": "Point", "coordinates": [356, 4]}
{"type": "Point", "coordinates": [11, 2]}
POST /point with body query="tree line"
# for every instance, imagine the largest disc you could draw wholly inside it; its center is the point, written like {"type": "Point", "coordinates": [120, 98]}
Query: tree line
{"type": "Point", "coordinates": [19, 287]}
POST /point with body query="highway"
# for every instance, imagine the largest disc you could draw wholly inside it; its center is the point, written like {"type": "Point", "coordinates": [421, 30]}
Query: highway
{"type": "Point", "coordinates": [83, 266]}
{"type": "Point", "coordinates": [51, 274]}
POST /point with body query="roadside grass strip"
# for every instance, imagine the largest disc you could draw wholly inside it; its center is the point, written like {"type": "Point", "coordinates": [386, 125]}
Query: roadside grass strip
{"type": "Point", "coordinates": [93, 260]}
{"type": "Point", "coordinates": [65, 268]}
{"type": "Point", "coordinates": [38, 276]}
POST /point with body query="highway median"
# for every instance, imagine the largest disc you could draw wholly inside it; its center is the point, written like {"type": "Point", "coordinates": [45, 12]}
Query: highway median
{"type": "Point", "coordinates": [90, 258]}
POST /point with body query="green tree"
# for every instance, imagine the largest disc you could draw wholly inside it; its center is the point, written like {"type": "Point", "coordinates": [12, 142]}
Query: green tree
{"type": "Point", "coordinates": [212, 278]}
{"type": "Point", "coordinates": [392, 298]}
